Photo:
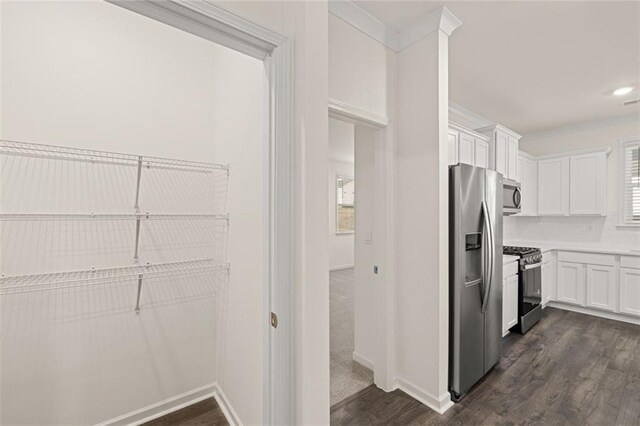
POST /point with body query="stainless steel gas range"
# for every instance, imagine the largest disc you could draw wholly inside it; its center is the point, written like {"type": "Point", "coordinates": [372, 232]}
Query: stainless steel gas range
{"type": "Point", "coordinates": [529, 286]}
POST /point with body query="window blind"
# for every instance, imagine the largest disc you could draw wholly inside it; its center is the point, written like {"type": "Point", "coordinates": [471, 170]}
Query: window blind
{"type": "Point", "coordinates": [631, 182]}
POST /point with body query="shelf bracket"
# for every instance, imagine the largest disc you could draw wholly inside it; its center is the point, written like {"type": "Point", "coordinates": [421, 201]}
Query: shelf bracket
{"type": "Point", "coordinates": [136, 206]}
{"type": "Point", "coordinates": [135, 253]}
{"type": "Point", "coordinates": [139, 291]}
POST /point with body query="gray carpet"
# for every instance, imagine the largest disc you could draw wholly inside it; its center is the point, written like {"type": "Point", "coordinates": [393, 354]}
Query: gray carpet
{"type": "Point", "coordinates": [347, 376]}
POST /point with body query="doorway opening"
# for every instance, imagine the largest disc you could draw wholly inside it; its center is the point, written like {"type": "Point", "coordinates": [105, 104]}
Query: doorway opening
{"type": "Point", "coordinates": [357, 348]}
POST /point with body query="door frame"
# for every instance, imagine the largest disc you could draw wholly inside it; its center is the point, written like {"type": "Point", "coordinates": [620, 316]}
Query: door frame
{"type": "Point", "coordinates": [206, 19]}
{"type": "Point", "coordinates": [384, 244]}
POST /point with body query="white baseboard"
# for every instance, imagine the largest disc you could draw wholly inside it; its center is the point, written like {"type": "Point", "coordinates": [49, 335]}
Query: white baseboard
{"type": "Point", "coordinates": [226, 407]}
{"type": "Point", "coordinates": [365, 362]}
{"type": "Point", "coordinates": [169, 405]}
{"type": "Point", "coordinates": [595, 312]}
{"type": "Point", "coordinates": [339, 267]}
{"type": "Point", "coordinates": [439, 405]}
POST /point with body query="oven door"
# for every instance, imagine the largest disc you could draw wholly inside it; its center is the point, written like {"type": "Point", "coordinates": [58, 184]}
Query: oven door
{"type": "Point", "coordinates": [512, 197]}
{"type": "Point", "coordinates": [530, 287]}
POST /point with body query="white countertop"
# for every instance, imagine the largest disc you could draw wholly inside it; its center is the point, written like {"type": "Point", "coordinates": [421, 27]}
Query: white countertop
{"type": "Point", "coordinates": [506, 259]}
{"type": "Point", "coordinates": [581, 247]}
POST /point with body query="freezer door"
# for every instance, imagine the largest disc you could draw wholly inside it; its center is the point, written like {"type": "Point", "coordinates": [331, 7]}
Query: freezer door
{"type": "Point", "coordinates": [493, 302]}
{"type": "Point", "coordinates": [467, 257]}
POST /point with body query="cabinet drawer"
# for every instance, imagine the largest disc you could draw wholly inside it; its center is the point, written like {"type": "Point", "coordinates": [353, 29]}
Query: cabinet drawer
{"type": "Point", "coordinates": [630, 262]}
{"type": "Point", "coordinates": [587, 258]}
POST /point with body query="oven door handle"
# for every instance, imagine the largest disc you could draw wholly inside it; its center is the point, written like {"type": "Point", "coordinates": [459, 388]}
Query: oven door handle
{"type": "Point", "coordinates": [532, 266]}
{"type": "Point", "coordinates": [490, 254]}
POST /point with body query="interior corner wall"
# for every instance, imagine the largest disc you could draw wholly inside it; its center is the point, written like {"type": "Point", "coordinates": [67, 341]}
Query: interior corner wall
{"type": "Point", "coordinates": [365, 324]}
{"type": "Point", "coordinates": [341, 246]}
{"type": "Point", "coordinates": [358, 68]}
{"type": "Point", "coordinates": [422, 233]}
{"type": "Point", "coordinates": [93, 75]}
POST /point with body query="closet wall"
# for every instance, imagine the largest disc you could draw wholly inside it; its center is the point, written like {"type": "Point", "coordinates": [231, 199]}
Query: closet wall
{"type": "Point", "coordinates": [92, 75]}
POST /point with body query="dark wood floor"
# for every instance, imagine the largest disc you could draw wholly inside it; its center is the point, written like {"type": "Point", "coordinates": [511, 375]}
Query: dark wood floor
{"type": "Point", "coordinates": [205, 412]}
{"type": "Point", "coordinates": [570, 369]}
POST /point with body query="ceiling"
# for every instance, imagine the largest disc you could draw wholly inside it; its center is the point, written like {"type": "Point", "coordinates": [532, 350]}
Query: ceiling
{"type": "Point", "coordinates": [535, 66]}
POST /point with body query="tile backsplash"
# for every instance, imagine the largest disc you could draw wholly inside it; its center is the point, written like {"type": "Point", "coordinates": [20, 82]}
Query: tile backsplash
{"type": "Point", "coordinates": [572, 229]}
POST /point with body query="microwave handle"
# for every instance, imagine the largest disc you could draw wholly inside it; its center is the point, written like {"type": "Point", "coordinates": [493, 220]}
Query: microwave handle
{"type": "Point", "coordinates": [517, 197]}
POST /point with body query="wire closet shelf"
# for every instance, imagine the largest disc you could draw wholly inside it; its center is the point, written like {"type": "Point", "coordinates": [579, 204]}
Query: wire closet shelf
{"type": "Point", "coordinates": [25, 283]}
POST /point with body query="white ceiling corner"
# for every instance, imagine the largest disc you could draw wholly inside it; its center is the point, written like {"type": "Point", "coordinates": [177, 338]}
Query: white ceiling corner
{"type": "Point", "coordinates": [440, 18]}
{"type": "Point", "coordinates": [503, 67]}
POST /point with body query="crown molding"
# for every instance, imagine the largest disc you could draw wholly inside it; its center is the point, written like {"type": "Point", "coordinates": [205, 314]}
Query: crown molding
{"type": "Point", "coordinates": [605, 149]}
{"type": "Point", "coordinates": [477, 121]}
{"type": "Point", "coordinates": [589, 125]}
{"type": "Point", "coordinates": [365, 22]}
{"type": "Point", "coordinates": [441, 19]}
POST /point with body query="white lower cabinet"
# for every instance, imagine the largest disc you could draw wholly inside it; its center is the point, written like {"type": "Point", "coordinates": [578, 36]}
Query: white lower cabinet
{"type": "Point", "coordinates": [548, 278]}
{"type": "Point", "coordinates": [509, 302]}
{"type": "Point", "coordinates": [630, 291]}
{"type": "Point", "coordinates": [571, 283]}
{"type": "Point", "coordinates": [601, 284]}
{"type": "Point", "coordinates": [601, 291]}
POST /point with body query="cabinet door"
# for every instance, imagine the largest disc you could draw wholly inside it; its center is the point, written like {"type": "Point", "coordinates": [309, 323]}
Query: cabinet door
{"type": "Point", "coordinates": [601, 291]}
{"type": "Point", "coordinates": [466, 148]}
{"type": "Point", "coordinates": [552, 186]}
{"type": "Point", "coordinates": [548, 281]}
{"type": "Point", "coordinates": [481, 153]}
{"type": "Point", "coordinates": [570, 284]}
{"type": "Point", "coordinates": [512, 158]}
{"type": "Point", "coordinates": [630, 291]}
{"type": "Point", "coordinates": [499, 156]}
{"type": "Point", "coordinates": [587, 184]}
{"type": "Point", "coordinates": [453, 147]}
{"type": "Point", "coordinates": [509, 303]}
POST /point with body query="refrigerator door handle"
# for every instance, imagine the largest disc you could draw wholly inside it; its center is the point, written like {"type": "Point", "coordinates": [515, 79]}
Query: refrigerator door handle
{"type": "Point", "coordinates": [490, 254]}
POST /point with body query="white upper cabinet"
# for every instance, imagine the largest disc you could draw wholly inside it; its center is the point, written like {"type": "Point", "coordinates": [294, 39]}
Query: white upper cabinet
{"type": "Point", "coordinates": [572, 184]}
{"type": "Point", "coordinates": [467, 146]}
{"type": "Point", "coordinates": [453, 146]}
{"type": "Point", "coordinates": [481, 153]}
{"type": "Point", "coordinates": [503, 150]}
{"type": "Point", "coordinates": [466, 149]}
{"type": "Point", "coordinates": [587, 184]}
{"type": "Point", "coordinates": [528, 178]}
{"type": "Point", "coordinates": [553, 185]}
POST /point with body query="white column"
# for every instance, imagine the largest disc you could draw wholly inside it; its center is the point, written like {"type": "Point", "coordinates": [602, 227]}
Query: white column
{"type": "Point", "coordinates": [422, 214]}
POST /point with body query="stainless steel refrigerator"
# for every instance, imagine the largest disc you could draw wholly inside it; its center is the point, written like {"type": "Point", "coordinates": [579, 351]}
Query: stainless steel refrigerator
{"type": "Point", "coordinates": [475, 275]}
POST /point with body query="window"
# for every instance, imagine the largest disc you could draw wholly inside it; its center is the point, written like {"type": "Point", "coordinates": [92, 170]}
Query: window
{"type": "Point", "coordinates": [630, 182]}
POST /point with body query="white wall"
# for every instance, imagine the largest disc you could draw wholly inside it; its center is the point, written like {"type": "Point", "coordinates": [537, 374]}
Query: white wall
{"type": "Point", "coordinates": [358, 68]}
{"type": "Point", "coordinates": [93, 75]}
{"type": "Point", "coordinates": [365, 308]}
{"type": "Point", "coordinates": [305, 23]}
{"type": "Point", "coordinates": [597, 230]}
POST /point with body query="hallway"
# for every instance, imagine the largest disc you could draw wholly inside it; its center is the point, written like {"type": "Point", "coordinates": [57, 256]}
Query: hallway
{"type": "Point", "coordinates": [347, 376]}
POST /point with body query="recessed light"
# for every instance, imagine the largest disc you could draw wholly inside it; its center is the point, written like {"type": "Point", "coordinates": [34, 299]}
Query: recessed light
{"type": "Point", "coordinates": [622, 91]}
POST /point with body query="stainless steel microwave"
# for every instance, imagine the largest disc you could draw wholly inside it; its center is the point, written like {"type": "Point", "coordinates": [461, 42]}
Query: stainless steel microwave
{"type": "Point", "coordinates": [512, 197]}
